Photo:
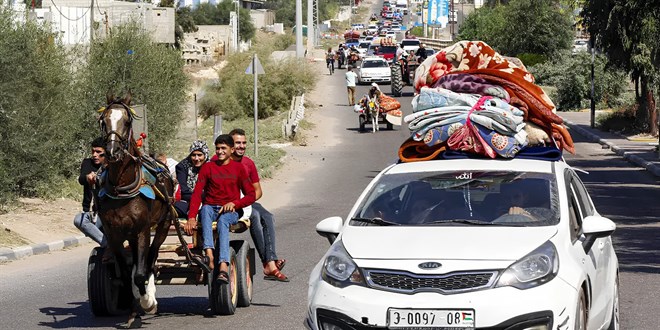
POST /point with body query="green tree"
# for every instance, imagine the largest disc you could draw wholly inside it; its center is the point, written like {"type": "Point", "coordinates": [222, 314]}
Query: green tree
{"type": "Point", "coordinates": [209, 14]}
{"type": "Point", "coordinates": [127, 60]}
{"type": "Point", "coordinates": [521, 26]}
{"type": "Point", "coordinates": [38, 132]}
{"type": "Point", "coordinates": [628, 31]}
{"type": "Point", "coordinates": [184, 22]}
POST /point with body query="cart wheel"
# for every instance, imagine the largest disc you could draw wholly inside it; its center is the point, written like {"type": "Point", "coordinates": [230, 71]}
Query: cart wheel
{"type": "Point", "coordinates": [224, 297]}
{"type": "Point", "coordinates": [243, 272]}
{"type": "Point", "coordinates": [107, 295]}
{"type": "Point", "coordinates": [396, 83]}
{"type": "Point", "coordinates": [390, 126]}
{"type": "Point", "coordinates": [362, 121]}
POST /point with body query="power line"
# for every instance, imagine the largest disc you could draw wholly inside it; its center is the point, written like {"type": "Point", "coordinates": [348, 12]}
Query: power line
{"type": "Point", "coordinates": [69, 19]}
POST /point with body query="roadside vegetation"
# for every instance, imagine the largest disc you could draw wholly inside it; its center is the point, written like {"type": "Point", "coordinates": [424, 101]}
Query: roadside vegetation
{"type": "Point", "coordinates": [49, 97]}
{"type": "Point", "coordinates": [627, 35]}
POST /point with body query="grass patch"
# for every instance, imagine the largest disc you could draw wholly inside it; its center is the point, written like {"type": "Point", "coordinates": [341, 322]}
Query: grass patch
{"type": "Point", "coordinates": [10, 239]}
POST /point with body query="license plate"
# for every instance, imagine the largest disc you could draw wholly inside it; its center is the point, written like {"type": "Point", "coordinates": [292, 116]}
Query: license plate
{"type": "Point", "coordinates": [430, 318]}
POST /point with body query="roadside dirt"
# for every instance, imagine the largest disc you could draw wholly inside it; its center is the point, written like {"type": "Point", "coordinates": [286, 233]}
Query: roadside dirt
{"type": "Point", "coordinates": [34, 221]}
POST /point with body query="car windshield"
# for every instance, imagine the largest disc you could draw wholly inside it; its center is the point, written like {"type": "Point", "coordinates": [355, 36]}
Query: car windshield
{"type": "Point", "coordinates": [374, 64]}
{"type": "Point", "coordinates": [387, 50]}
{"type": "Point", "coordinates": [462, 198]}
{"type": "Point", "coordinates": [364, 45]}
{"type": "Point", "coordinates": [410, 42]}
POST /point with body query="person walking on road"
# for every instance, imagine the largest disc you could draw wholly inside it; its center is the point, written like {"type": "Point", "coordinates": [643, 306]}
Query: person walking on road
{"type": "Point", "coordinates": [350, 85]}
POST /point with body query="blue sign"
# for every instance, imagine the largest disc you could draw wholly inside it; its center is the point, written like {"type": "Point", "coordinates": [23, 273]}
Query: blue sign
{"type": "Point", "coordinates": [438, 12]}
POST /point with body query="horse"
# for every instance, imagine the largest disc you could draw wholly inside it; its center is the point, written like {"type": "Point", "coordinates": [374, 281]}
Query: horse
{"type": "Point", "coordinates": [126, 212]}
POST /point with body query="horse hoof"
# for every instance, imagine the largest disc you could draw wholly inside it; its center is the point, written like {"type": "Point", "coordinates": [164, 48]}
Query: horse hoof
{"type": "Point", "coordinates": [152, 310]}
{"type": "Point", "coordinates": [134, 322]}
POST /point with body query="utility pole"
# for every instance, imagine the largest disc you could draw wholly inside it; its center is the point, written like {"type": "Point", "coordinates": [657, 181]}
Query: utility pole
{"type": "Point", "coordinates": [91, 22]}
{"type": "Point", "coordinates": [311, 29]}
{"type": "Point", "coordinates": [238, 23]}
{"type": "Point", "coordinates": [299, 30]}
{"type": "Point", "coordinates": [425, 23]}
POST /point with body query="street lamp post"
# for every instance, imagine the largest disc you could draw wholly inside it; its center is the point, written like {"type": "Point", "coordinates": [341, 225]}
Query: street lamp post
{"type": "Point", "coordinates": [238, 23]}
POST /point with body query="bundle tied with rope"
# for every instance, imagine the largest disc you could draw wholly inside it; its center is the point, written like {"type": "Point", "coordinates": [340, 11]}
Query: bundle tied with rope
{"type": "Point", "coordinates": [472, 99]}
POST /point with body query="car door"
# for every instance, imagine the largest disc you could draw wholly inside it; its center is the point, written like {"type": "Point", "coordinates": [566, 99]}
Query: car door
{"type": "Point", "coordinates": [593, 261]}
{"type": "Point", "coordinates": [602, 251]}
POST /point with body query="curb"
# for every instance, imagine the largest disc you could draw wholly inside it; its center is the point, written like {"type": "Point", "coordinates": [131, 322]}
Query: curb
{"type": "Point", "coordinates": [631, 157]}
{"type": "Point", "coordinates": [7, 254]}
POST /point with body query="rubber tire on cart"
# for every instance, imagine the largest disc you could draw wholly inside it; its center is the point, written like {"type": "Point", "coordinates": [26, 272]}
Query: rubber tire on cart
{"type": "Point", "coordinates": [244, 271]}
{"type": "Point", "coordinates": [397, 80]}
{"type": "Point", "coordinates": [390, 126]}
{"type": "Point", "coordinates": [224, 297]}
{"type": "Point", "coordinates": [107, 296]}
{"type": "Point", "coordinates": [362, 121]}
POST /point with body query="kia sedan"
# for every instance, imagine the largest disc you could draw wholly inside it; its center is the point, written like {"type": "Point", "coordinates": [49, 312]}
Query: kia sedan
{"type": "Point", "coordinates": [468, 244]}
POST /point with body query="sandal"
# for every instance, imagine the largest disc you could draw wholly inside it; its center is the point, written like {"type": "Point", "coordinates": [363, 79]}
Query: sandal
{"type": "Point", "coordinates": [280, 263]}
{"type": "Point", "coordinates": [222, 278]}
{"type": "Point", "coordinates": [276, 275]}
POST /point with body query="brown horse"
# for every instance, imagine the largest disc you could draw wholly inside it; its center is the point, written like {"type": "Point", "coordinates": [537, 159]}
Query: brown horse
{"type": "Point", "coordinates": [126, 213]}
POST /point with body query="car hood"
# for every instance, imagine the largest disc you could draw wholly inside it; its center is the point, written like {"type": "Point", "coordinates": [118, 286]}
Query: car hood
{"type": "Point", "coordinates": [444, 242]}
{"type": "Point", "coordinates": [374, 70]}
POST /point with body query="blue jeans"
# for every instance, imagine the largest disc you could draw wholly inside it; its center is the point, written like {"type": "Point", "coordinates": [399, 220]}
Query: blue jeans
{"type": "Point", "coordinates": [262, 229]}
{"type": "Point", "coordinates": [207, 214]}
{"type": "Point", "coordinates": [83, 221]}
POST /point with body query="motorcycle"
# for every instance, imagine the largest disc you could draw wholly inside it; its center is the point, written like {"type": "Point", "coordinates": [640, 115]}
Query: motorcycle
{"type": "Point", "coordinates": [341, 58]}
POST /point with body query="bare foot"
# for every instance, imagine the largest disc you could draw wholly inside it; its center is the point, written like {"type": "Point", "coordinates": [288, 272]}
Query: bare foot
{"type": "Point", "coordinates": [209, 254]}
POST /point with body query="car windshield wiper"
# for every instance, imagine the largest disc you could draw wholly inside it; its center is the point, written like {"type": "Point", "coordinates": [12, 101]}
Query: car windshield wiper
{"type": "Point", "coordinates": [376, 221]}
{"type": "Point", "coordinates": [464, 221]}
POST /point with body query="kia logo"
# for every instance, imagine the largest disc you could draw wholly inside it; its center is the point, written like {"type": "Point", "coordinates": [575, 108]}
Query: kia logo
{"type": "Point", "coordinates": [429, 265]}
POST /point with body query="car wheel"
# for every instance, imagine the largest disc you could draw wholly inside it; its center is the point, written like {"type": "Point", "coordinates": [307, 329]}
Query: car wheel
{"type": "Point", "coordinates": [581, 313]}
{"type": "Point", "coordinates": [614, 321]}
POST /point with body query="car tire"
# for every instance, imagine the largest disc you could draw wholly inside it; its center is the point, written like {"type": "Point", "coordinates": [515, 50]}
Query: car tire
{"type": "Point", "coordinates": [361, 122]}
{"type": "Point", "coordinates": [614, 321]}
{"type": "Point", "coordinates": [581, 312]}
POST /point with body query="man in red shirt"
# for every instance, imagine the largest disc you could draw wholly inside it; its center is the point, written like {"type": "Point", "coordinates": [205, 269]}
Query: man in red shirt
{"type": "Point", "coordinates": [221, 182]}
{"type": "Point", "coordinates": [262, 226]}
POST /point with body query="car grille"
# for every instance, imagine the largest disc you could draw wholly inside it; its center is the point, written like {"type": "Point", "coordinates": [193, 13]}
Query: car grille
{"type": "Point", "coordinates": [406, 282]}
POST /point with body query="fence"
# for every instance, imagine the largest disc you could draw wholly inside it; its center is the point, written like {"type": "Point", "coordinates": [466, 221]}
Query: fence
{"type": "Point", "coordinates": [296, 114]}
{"type": "Point", "coordinates": [435, 44]}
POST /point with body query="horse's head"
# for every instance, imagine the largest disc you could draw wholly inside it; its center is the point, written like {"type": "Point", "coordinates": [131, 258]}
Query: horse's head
{"type": "Point", "coordinates": [116, 126]}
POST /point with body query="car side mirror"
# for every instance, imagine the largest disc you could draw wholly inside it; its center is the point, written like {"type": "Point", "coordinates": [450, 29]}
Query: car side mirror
{"type": "Point", "coordinates": [594, 227]}
{"type": "Point", "coordinates": [330, 228]}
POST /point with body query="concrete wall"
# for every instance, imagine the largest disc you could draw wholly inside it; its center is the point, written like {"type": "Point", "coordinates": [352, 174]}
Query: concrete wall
{"type": "Point", "coordinates": [207, 44]}
{"type": "Point", "coordinates": [262, 18]}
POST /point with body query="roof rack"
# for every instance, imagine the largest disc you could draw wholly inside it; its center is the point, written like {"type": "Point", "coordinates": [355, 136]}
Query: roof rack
{"type": "Point", "coordinates": [534, 153]}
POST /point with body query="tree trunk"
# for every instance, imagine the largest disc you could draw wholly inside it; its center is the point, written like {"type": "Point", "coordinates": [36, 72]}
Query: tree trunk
{"type": "Point", "coordinates": [653, 112]}
{"type": "Point", "coordinates": [642, 114]}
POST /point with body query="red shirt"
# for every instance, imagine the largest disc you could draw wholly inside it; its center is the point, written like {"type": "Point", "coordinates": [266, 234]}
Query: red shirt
{"type": "Point", "coordinates": [222, 184]}
{"type": "Point", "coordinates": [251, 168]}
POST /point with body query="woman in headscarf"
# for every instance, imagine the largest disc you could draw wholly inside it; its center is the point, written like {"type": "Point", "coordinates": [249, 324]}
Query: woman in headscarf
{"type": "Point", "coordinates": [186, 174]}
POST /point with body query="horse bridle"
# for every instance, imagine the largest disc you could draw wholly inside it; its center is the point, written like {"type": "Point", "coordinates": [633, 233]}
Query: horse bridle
{"type": "Point", "coordinates": [123, 140]}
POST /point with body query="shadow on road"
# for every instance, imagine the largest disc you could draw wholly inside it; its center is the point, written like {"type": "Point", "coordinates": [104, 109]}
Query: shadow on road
{"type": "Point", "coordinates": [626, 195]}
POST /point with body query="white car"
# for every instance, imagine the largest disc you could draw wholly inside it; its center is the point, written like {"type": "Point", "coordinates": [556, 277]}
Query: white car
{"type": "Point", "coordinates": [374, 69]}
{"type": "Point", "coordinates": [410, 44]}
{"type": "Point", "coordinates": [468, 244]}
{"type": "Point", "coordinates": [390, 34]}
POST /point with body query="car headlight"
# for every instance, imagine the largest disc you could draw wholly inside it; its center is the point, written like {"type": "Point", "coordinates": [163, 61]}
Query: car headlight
{"type": "Point", "coordinates": [538, 267]}
{"type": "Point", "coordinates": [339, 268]}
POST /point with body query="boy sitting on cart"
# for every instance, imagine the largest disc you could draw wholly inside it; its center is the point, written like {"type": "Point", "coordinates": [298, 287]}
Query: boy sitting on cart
{"type": "Point", "coordinates": [218, 189]}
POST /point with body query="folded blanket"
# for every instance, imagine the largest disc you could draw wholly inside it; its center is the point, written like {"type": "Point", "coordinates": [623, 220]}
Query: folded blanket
{"type": "Point", "coordinates": [471, 84]}
{"type": "Point", "coordinates": [415, 151]}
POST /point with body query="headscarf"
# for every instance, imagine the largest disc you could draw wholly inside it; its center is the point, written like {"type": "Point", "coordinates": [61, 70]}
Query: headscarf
{"type": "Point", "coordinates": [197, 145]}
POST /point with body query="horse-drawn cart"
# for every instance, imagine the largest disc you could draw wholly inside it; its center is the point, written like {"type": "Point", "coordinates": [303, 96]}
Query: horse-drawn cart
{"type": "Point", "coordinates": [109, 295]}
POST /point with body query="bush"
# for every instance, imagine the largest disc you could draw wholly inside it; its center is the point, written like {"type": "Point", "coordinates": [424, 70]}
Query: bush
{"type": "Point", "coordinates": [620, 120]}
{"type": "Point", "coordinates": [233, 97]}
{"type": "Point", "coordinates": [571, 75]}
{"type": "Point", "coordinates": [39, 128]}
{"type": "Point", "coordinates": [530, 59]}
{"type": "Point", "coordinates": [127, 60]}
